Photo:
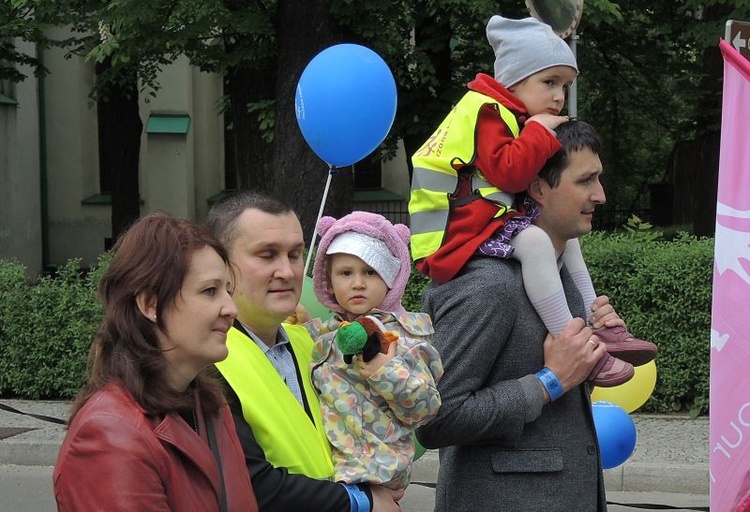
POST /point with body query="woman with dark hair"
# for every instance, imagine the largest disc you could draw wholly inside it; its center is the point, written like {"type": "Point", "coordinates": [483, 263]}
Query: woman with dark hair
{"type": "Point", "coordinates": [150, 430]}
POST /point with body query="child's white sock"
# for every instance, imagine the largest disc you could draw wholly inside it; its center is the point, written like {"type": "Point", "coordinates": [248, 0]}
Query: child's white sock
{"type": "Point", "coordinates": [541, 277]}
{"type": "Point", "coordinates": [573, 259]}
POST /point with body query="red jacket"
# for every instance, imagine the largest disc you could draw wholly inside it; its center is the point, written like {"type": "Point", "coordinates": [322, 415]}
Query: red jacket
{"type": "Point", "coordinates": [509, 163]}
{"type": "Point", "coordinates": [115, 457]}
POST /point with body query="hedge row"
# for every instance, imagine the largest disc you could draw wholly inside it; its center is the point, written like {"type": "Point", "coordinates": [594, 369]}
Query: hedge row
{"type": "Point", "coordinates": [46, 328]}
{"type": "Point", "coordinates": [661, 288]}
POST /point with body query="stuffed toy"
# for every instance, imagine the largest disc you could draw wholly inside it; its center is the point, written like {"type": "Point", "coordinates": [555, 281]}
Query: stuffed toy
{"type": "Point", "coordinates": [365, 335]}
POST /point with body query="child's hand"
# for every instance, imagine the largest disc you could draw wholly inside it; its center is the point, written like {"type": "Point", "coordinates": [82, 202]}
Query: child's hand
{"type": "Point", "coordinates": [548, 120]}
{"type": "Point", "coordinates": [366, 370]}
{"type": "Point", "coordinates": [299, 317]}
{"type": "Point", "coordinates": [603, 314]}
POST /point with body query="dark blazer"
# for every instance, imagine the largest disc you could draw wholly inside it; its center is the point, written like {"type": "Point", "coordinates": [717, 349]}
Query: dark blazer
{"type": "Point", "coordinates": [500, 447]}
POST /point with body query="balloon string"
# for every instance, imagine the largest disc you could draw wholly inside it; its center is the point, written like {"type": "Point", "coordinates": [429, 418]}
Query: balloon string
{"type": "Point", "coordinates": [331, 172]}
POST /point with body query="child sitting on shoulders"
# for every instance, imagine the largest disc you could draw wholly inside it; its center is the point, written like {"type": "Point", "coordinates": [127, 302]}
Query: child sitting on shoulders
{"type": "Point", "coordinates": [489, 148]}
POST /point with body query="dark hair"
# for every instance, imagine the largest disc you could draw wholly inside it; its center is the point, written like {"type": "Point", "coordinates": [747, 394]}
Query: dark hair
{"type": "Point", "coordinates": [224, 213]}
{"type": "Point", "coordinates": [152, 257]}
{"type": "Point", "coordinates": [574, 135]}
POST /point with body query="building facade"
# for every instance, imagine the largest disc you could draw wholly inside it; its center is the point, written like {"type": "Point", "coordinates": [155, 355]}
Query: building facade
{"type": "Point", "coordinates": [52, 207]}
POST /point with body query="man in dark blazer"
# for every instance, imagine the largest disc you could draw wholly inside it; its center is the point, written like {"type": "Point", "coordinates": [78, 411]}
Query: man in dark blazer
{"type": "Point", "coordinates": [515, 430]}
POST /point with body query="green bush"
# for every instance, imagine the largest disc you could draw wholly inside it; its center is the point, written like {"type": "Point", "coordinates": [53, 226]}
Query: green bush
{"type": "Point", "coordinates": [46, 328]}
{"type": "Point", "coordinates": [412, 300]}
{"type": "Point", "coordinates": [662, 289]}
{"type": "Point", "coordinates": [664, 295]}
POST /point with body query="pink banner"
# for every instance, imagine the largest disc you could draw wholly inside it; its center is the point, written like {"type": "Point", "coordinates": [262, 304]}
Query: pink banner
{"type": "Point", "coordinates": [730, 324]}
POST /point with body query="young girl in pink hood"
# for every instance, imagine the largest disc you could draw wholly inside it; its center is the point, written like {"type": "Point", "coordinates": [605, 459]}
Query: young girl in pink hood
{"type": "Point", "coordinates": [372, 397]}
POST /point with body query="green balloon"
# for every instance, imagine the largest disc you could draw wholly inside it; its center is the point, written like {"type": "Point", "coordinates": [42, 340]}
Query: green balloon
{"type": "Point", "coordinates": [419, 450]}
{"type": "Point", "coordinates": [310, 301]}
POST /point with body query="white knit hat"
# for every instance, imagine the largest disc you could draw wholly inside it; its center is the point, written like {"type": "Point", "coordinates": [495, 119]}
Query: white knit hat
{"type": "Point", "coordinates": [372, 251]}
{"type": "Point", "coordinates": [524, 47]}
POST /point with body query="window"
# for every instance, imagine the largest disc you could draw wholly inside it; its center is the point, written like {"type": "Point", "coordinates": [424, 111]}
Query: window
{"type": "Point", "coordinates": [7, 92]}
{"type": "Point", "coordinates": [7, 70]}
{"type": "Point", "coordinates": [367, 173]}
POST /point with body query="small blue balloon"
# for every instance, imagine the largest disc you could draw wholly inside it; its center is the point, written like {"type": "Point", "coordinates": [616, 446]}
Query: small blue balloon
{"type": "Point", "coordinates": [345, 103]}
{"type": "Point", "coordinates": [616, 433]}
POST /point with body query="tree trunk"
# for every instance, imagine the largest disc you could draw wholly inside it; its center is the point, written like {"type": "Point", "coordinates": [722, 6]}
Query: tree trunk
{"type": "Point", "coordinates": [695, 171]}
{"type": "Point", "coordinates": [707, 180]}
{"type": "Point", "coordinates": [248, 156]}
{"type": "Point", "coordinates": [701, 158]}
{"type": "Point", "coordinates": [120, 129]}
{"type": "Point", "coordinates": [707, 185]}
{"type": "Point", "coordinates": [432, 36]}
{"type": "Point", "coordinates": [695, 177]}
{"type": "Point", "coordinates": [298, 173]}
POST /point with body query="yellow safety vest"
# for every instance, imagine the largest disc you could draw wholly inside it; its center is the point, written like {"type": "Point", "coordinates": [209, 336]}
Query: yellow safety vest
{"type": "Point", "coordinates": [279, 422]}
{"type": "Point", "coordinates": [451, 149]}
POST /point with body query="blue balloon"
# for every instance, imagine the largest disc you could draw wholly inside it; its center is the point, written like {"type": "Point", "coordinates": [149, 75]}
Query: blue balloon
{"type": "Point", "coordinates": [616, 433]}
{"type": "Point", "coordinates": [345, 103]}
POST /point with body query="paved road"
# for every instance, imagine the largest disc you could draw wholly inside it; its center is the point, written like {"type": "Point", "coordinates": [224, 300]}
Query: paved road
{"type": "Point", "coordinates": [26, 488]}
{"type": "Point", "coordinates": [29, 489]}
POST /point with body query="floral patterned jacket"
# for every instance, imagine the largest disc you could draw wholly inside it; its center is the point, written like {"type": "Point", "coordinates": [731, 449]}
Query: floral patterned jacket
{"type": "Point", "coordinates": [370, 423]}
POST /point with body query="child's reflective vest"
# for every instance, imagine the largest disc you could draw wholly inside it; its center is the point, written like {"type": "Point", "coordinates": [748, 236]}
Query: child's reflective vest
{"type": "Point", "coordinates": [449, 151]}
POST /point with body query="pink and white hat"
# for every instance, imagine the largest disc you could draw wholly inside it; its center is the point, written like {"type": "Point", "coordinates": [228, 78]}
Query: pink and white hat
{"type": "Point", "coordinates": [373, 239]}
